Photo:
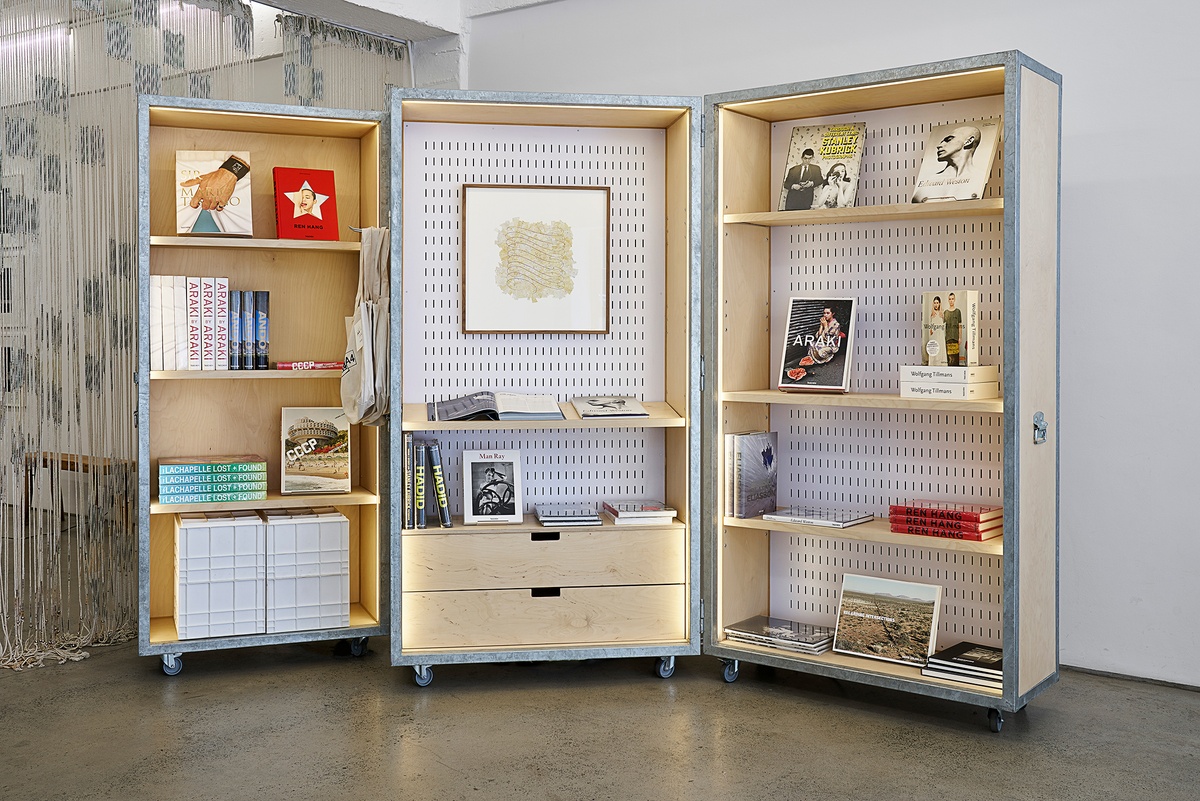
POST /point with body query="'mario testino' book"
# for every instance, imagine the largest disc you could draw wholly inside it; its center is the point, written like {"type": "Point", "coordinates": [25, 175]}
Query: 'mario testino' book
{"type": "Point", "coordinates": [305, 204]}
{"type": "Point", "coordinates": [212, 193]}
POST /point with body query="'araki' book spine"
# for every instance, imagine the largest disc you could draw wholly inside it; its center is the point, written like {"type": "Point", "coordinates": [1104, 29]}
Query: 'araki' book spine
{"type": "Point", "coordinates": [262, 333]}
{"type": "Point", "coordinates": [439, 484]}
{"type": "Point", "coordinates": [947, 533]}
{"type": "Point", "coordinates": [221, 318]}
{"type": "Point", "coordinates": [247, 329]}
{"type": "Point", "coordinates": [156, 329]}
{"type": "Point", "coordinates": [234, 356]}
{"type": "Point", "coordinates": [208, 323]}
{"type": "Point", "coordinates": [195, 324]}
{"type": "Point", "coordinates": [419, 485]}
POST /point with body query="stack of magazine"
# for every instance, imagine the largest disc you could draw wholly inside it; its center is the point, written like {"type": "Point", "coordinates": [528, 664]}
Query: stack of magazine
{"type": "Point", "coordinates": [567, 514]}
{"type": "Point", "coordinates": [777, 632]}
{"type": "Point", "coordinates": [968, 662]}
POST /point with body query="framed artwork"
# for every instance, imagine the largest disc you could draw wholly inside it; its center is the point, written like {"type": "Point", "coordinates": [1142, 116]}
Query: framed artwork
{"type": "Point", "coordinates": [817, 346]}
{"type": "Point", "coordinates": [535, 259]}
{"type": "Point", "coordinates": [492, 487]}
{"type": "Point", "coordinates": [12, 289]}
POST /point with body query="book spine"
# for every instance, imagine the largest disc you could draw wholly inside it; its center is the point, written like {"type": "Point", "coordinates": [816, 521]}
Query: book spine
{"type": "Point", "coordinates": [262, 332]}
{"type": "Point", "coordinates": [247, 329]}
{"type": "Point", "coordinates": [213, 497]}
{"type": "Point", "coordinates": [409, 483]}
{"type": "Point", "coordinates": [208, 323]}
{"type": "Point", "coordinates": [970, 348]}
{"type": "Point", "coordinates": [309, 365]}
{"type": "Point", "coordinates": [936, 522]}
{"type": "Point", "coordinates": [950, 375]}
{"type": "Point", "coordinates": [938, 390]}
{"type": "Point", "coordinates": [167, 312]}
{"type": "Point", "coordinates": [946, 533]}
{"type": "Point", "coordinates": [218, 467]}
{"type": "Point", "coordinates": [156, 327]}
{"type": "Point", "coordinates": [221, 317]}
{"type": "Point", "coordinates": [739, 503]}
{"type": "Point", "coordinates": [419, 486]}
{"type": "Point", "coordinates": [181, 323]}
{"type": "Point", "coordinates": [234, 356]}
{"type": "Point", "coordinates": [203, 488]}
{"type": "Point", "coordinates": [729, 475]}
{"type": "Point", "coordinates": [935, 513]}
{"type": "Point", "coordinates": [439, 484]}
{"type": "Point", "coordinates": [211, 479]}
{"type": "Point", "coordinates": [195, 325]}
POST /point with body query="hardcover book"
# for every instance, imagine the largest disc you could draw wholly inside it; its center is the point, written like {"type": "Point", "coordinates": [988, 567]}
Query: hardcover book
{"type": "Point", "coordinates": [822, 166]}
{"type": "Point", "coordinates": [950, 375]}
{"type": "Point", "coordinates": [221, 318]}
{"type": "Point", "coordinates": [492, 487]}
{"type": "Point", "coordinates": [316, 450]}
{"type": "Point", "coordinates": [887, 619]}
{"type": "Point", "coordinates": [305, 204]}
{"type": "Point", "coordinates": [780, 630]}
{"type": "Point", "coordinates": [195, 324]}
{"type": "Point", "coordinates": [950, 328]}
{"type": "Point", "coordinates": [156, 326]}
{"type": "Point", "coordinates": [958, 161]}
{"type": "Point", "coordinates": [947, 533]}
{"type": "Point", "coordinates": [208, 323]}
{"type": "Point", "coordinates": [966, 678]}
{"type": "Point", "coordinates": [262, 330]}
{"type": "Point", "coordinates": [558, 514]}
{"type": "Point", "coordinates": [247, 354]}
{"type": "Point", "coordinates": [812, 516]}
{"type": "Point", "coordinates": [234, 355]}
{"type": "Point", "coordinates": [934, 390]}
{"type": "Point", "coordinates": [641, 507]}
{"type": "Point", "coordinates": [201, 487]}
{"type": "Point", "coordinates": [905, 519]}
{"type": "Point", "coordinates": [970, 657]}
{"type": "Point", "coordinates": [410, 465]}
{"type": "Point", "coordinates": [420, 485]}
{"type": "Point", "coordinates": [242, 463]}
{"type": "Point", "coordinates": [170, 362]}
{"type": "Point", "coordinates": [817, 346]}
{"type": "Point", "coordinates": [209, 479]}
{"type": "Point", "coordinates": [755, 473]}
{"type": "Point", "coordinates": [608, 406]}
{"type": "Point", "coordinates": [439, 483]}
{"type": "Point", "coordinates": [202, 180]}
{"type": "Point", "coordinates": [948, 510]}
{"type": "Point", "coordinates": [213, 497]}
{"type": "Point", "coordinates": [485, 405]}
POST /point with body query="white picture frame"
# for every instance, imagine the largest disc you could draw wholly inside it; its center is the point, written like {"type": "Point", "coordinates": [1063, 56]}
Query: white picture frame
{"type": "Point", "coordinates": [492, 487]}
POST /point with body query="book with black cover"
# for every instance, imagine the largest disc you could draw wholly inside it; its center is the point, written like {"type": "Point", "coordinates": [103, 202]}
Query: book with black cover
{"type": "Point", "coordinates": [410, 463]}
{"type": "Point", "coordinates": [817, 346]}
{"type": "Point", "coordinates": [966, 678]}
{"type": "Point", "coordinates": [971, 657]}
{"type": "Point", "coordinates": [780, 629]}
{"type": "Point", "coordinates": [486, 405]}
{"type": "Point", "coordinates": [439, 484]}
{"type": "Point", "coordinates": [419, 485]}
{"type": "Point", "coordinates": [590, 406]}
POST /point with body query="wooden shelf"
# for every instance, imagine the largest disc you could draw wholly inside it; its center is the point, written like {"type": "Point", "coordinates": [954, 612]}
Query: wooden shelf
{"type": "Point", "coordinates": [248, 243]}
{"type": "Point", "coordinates": [896, 212]}
{"type": "Point", "coordinates": [877, 530]}
{"type": "Point", "coordinates": [162, 629]}
{"type": "Point", "coordinates": [241, 375]}
{"type": "Point", "coordinates": [662, 415]}
{"type": "Point", "coordinates": [356, 497]}
{"type": "Point", "coordinates": [862, 400]}
{"type": "Point", "coordinates": [529, 523]}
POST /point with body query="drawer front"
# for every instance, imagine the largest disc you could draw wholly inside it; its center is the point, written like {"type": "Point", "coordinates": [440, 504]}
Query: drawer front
{"type": "Point", "coordinates": [515, 618]}
{"type": "Point", "coordinates": [520, 559]}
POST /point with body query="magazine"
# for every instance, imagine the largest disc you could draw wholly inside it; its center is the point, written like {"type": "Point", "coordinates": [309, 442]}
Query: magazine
{"type": "Point", "coordinates": [887, 619]}
{"type": "Point", "coordinates": [958, 161]}
{"type": "Point", "coordinates": [486, 405]}
{"type": "Point", "coordinates": [822, 166]}
{"type": "Point", "coordinates": [608, 406]}
{"type": "Point", "coordinates": [818, 343]}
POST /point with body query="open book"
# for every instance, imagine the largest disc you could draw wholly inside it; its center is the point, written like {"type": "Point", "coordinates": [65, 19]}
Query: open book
{"type": "Point", "coordinates": [487, 405]}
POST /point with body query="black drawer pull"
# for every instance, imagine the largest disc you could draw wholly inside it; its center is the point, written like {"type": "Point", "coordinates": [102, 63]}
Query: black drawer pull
{"type": "Point", "coordinates": [545, 592]}
{"type": "Point", "coordinates": [543, 536]}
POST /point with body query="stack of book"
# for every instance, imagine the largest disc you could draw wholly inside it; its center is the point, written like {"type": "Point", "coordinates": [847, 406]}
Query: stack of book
{"type": "Point", "coordinates": [212, 479]}
{"type": "Point", "coordinates": [950, 383]}
{"type": "Point", "coordinates": [556, 515]}
{"type": "Point", "coordinates": [199, 323]}
{"type": "Point", "coordinates": [968, 662]}
{"type": "Point", "coordinates": [638, 512]}
{"type": "Point", "coordinates": [791, 635]}
{"type": "Point", "coordinates": [425, 494]}
{"type": "Point", "coordinates": [956, 521]}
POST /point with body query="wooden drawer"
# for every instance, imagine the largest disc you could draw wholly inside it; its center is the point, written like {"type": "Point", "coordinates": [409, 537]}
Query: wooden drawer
{"type": "Point", "coordinates": [514, 618]}
{"type": "Point", "coordinates": [521, 559]}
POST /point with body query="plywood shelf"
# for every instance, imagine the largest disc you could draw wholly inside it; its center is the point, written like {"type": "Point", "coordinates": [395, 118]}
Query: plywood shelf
{"type": "Point", "coordinates": [897, 212]}
{"type": "Point", "coordinates": [163, 631]}
{"type": "Point", "coordinates": [356, 497]}
{"type": "Point", "coordinates": [877, 530]}
{"type": "Point", "coordinates": [242, 375]}
{"type": "Point", "coordinates": [248, 243]}
{"type": "Point", "coordinates": [863, 400]}
{"type": "Point", "coordinates": [529, 523]}
{"type": "Point", "coordinates": [661, 415]}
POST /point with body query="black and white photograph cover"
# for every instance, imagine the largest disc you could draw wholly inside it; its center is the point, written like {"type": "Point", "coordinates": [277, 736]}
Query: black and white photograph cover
{"type": "Point", "coordinates": [958, 161]}
{"type": "Point", "coordinates": [817, 346]}
{"type": "Point", "coordinates": [822, 166]}
{"type": "Point", "coordinates": [492, 487]}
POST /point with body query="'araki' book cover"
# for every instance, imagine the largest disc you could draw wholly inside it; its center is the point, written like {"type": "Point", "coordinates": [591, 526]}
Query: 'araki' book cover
{"type": "Point", "coordinates": [818, 343]}
{"type": "Point", "coordinates": [212, 193]}
{"type": "Point", "coordinates": [305, 204]}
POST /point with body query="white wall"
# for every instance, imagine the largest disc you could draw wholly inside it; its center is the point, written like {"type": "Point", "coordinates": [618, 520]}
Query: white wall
{"type": "Point", "coordinates": [1130, 549]}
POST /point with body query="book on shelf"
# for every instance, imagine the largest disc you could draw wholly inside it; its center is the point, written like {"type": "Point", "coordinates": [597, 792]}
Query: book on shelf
{"type": "Point", "coordinates": [818, 345]}
{"type": "Point", "coordinates": [643, 522]}
{"type": "Point", "coordinates": [410, 465]}
{"type": "Point", "coordinates": [492, 487]}
{"type": "Point", "coordinates": [815, 516]}
{"type": "Point", "coordinates": [208, 323]}
{"type": "Point", "coordinates": [221, 324]}
{"type": "Point", "coordinates": [935, 391]}
{"type": "Point", "coordinates": [315, 445]}
{"type": "Point", "coordinates": [420, 486]}
{"type": "Point", "coordinates": [946, 533]}
{"type": "Point", "coordinates": [970, 657]}
{"type": "Point", "coordinates": [195, 324]}
{"type": "Point", "coordinates": [310, 365]}
{"type": "Point", "coordinates": [180, 314]}
{"type": "Point", "coordinates": [567, 514]}
{"type": "Point", "coordinates": [209, 479]}
{"type": "Point", "coordinates": [822, 166]}
{"type": "Point", "coordinates": [212, 497]}
{"type": "Point", "coordinates": [156, 326]}
{"type": "Point", "coordinates": [781, 632]}
{"type": "Point", "coordinates": [305, 204]}
{"type": "Point", "coordinates": [486, 405]}
{"type": "Point", "coordinates": [167, 302]}
{"type": "Point", "coordinates": [247, 354]}
{"type": "Point", "coordinates": [942, 374]}
{"type": "Point", "coordinates": [639, 508]}
{"type": "Point", "coordinates": [233, 357]}
{"type": "Point", "coordinates": [201, 487]}
{"type": "Point", "coordinates": [958, 161]}
{"type": "Point", "coordinates": [241, 463]}
{"type": "Point", "coordinates": [965, 678]}
{"type": "Point", "coordinates": [753, 473]}
{"type": "Point", "coordinates": [971, 526]}
{"type": "Point", "coordinates": [434, 457]}
{"type": "Point", "coordinates": [262, 332]}
{"type": "Point", "coordinates": [947, 510]}
{"type": "Point", "coordinates": [228, 216]}
{"type": "Point", "coordinates": [592, 406]}
{"type": "Point", "coordinates": [950, 327]}
{"type": "Point", "coordinates": [887, 619]}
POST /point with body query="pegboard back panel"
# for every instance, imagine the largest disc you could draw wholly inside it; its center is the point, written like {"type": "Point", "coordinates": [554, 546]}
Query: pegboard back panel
{"type": "Point", "coordinates": [439, 360]}
{"type": "Point", "coordinates": [806, 581]}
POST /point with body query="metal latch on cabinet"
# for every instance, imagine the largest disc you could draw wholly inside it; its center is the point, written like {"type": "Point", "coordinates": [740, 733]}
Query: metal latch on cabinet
{"type": "Point", "coordinates": [1040, 427]}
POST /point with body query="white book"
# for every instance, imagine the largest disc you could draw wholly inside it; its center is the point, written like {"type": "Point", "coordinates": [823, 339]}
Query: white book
{"type": "Point", "coordinates": [950, 375]}
{"type": "Point", "coordinates": [221, 307]}
{"type": "Point", "coordinates": [195, 323]}
{"type": "Point", "coordinates": [208, 323]}
{"type": "Point", "coordinates": [939, 391]}
{"type": "Point", "coordinates": [167, 316]}
{"type": "Point", "coordinates": [181, 323]}
{"type": "Point", "coordinates": [156, 328]}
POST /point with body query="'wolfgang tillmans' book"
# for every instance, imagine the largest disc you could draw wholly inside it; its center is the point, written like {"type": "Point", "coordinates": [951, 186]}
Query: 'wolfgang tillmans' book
{"type": "Point", "coordinates": [822, 166]}
{"type": "Point", "coordinates": [950, 328]}
{"type": "Point", "coordinates": [316, 450]}
{"type": "Point", "coordinates": [817, 346]}
{"type": "Point", "coordinates": [485, 405]}
{"type": "Point", "coordinates": [755, 473]}
{"type": "Point", "coordinates": [978, 374]}
{"type": "Point", "coordinates": [201, 180]}
{"type": "Point", "coordinates": [937, 391]}
{"type": "Point", "coordinates": [305, 204]}
{"type": "Point", "coordinates": [590, 406]}
{"type": "Point", "coordinates": [887, 619]}
{"type": "Point", "coordinates": [958, 161]}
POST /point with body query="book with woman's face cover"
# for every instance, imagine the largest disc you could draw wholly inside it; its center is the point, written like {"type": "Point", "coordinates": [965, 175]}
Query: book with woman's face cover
{"type": "Point", "coordinates": [950, 328]}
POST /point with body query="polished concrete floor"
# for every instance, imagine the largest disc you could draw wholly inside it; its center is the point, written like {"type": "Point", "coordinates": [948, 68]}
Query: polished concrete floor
{"type": "Point", "coordinates": [295, 721]}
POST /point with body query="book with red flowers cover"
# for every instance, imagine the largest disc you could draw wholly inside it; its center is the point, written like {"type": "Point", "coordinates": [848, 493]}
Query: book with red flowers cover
{"type": "Point", "coordinates": [950, 525]}
{"type": "Point", "coordinates": [305, 204]}
{"type": "Point", "coordinates": [947, 533]}
{"type": "Point", "coordinates": [947, 510]}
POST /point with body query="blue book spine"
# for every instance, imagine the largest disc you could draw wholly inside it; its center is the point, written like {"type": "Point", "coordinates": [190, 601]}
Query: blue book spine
{"type": "Point", "coordinates": [235, 330]}
{"type": "Point", "coordinates": [262, 332]}
{"type": "Point", "coordinates": [247, 329]}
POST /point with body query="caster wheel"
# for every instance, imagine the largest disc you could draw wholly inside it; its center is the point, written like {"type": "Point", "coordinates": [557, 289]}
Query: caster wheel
{"type": "Point", "coordinates": [995, 720]}
{"type": "Point", "coordinates": [358, 646]}
{"type": "Point", "coordinates": [172, 664]}
{"type": "Point", "coordinates": [424, 675]}
{"type": "Point", "coordinates": [665, 667]}
{"type": "Point", "coordinates": [730, 674]}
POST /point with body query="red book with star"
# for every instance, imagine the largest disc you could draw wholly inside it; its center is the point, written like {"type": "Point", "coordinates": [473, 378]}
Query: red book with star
{"type": "Point", "coordinates": [305, 204]}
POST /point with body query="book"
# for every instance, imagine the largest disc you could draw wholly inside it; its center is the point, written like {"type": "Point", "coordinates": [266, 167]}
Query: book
{"type": "Point", "coordinates": [931, 389]}
{"type": "Point", "coordinates": [247, 354]}
{"type": "Point", "coordinates": [213, 497]}
{"type": "Point", "coordinates": [950, 375]}
{"type": "Point", "coordinates": [420, 491]}
{"type": "Point", "coordinates": [305, 204]}
{"type": "Point", "coordinates": [439, 484]}
{"type": "Point", "coordinates": [887, 619]}
{"type": "Point", "coordinates": [818, 344]}
{"type": "Point", "coordinates": [195, 327]}
{"type": "Point", "coordinates": [957, 162]}
{"type": "Point", "coordinates": [262, 333]}
{"type": "Point", "coordinates": [755, 473]}
{"type": "Point", "coordinates": [947, 510]}
{"type": "Point", "coordinates": [822, 166]}
{"type": "Point", "coordinates": [492, 487]}
{"type": "Point", "coordinates": [245, 463]}
{"type": "Point", "coordinates": [565, 512]}
{"type": "Point", "coordinates": [966, 678]}
{"type": "Point", "coordinates": [221, 324]}
{"type": "Point", "coordinates": [234, 355]}
{"type": "Point", "coordinates": [970, 526]}
{"type": "Point", "coordinates": [232, 217]}
{"type": "Point", "coordinates": [950, 328]}
{"type": "Point", "coordinates": [168, 323]}
{"type": "Point", "coordinates": [309, 365]}
{"type": "Point", "coordinates": [638, 508]}
{"type": "Point", "coordinates": [971, 657]}
{"type": "Point", "coordinates": [485, 405]}
{"type": "Point", "coordinates": [315, 445]}
{"type": "Point", "coordinates": [201, 487]}
{"type": "Point", "coordinates": [156, 326]}
{"type": "Point", "coordinates": [410, 463]}
{"type": "Point", "coordinates": [590, 406]}
{"type": "Point", "coordinates": [643, 522]}
{"type": "Point", "coordinates": [773, 630]}
{"type": "Point", "coordinates": [813, 516]}
{"type": "Point", "coordinates": [946, 533]}
{"type": "Point", "coordinates": [208, 323]}
{"type": "Point", "coordinates": [210, 479]}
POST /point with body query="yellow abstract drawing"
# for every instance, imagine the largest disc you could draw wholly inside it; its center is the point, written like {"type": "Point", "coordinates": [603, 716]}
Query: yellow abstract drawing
{"type": "Point", "coordinates": [536, 261]}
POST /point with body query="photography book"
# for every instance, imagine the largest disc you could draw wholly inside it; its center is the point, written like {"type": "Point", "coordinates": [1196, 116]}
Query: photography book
{"type": "Point", "coordinates": [315, 445]}
{"type": "Point", "coordinates": [978, 374]}
{"type": "Point", "coordinates": [196, 184]}
{"type": "Point", "coordinates": [822, 166]}
{"type": "Point", "coordinates": [950, 328]}
{"type": "Point", "coordinates": [958, 161]}
{"type": "Point", "coordinates": [778, 631]}
{"type": "Point", "coordinates": [590, 406]}
{"type": "Point", "coordinates": [753, 473]}
{"type": "Point", "coordinates": [947, 510]}
{"type": "Point", "coordinates": [181, 465]}
{"type": "Point", "coordinates": [946, 533]}
{"type": "Point", "coordinates": [305, 204]}
{"type": "Point", "coordinates": [492, 487]}
{"type": "Point", "coordinates": [442, 500]}
{"type": "Point", "coordinates": [817, 346]}
{"type": "Point", "coordinates": [970, 657]}
{"type": "Point", "coordinates": [567, 514]}
{"type": "Point", "coordinates": [812, 516]}
{"type": "Point", "coordinates": [420, 486]}
{"type": "Point", "coordinates": [487, 405]}
{"type": "Point", "coordinates": [887, 619]}
{"type": "Point", "coordinates": [639, 508]}
{"type": "Point", "coordinates": [930, 389]}
{"type": "Point", "coordinates": [971, 526]}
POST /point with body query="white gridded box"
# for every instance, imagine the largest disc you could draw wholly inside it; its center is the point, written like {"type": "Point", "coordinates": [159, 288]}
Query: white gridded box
{"type": "Point", "coordinates": [220, 574]}
{"type": "Point", "coordinates": [308, 570]}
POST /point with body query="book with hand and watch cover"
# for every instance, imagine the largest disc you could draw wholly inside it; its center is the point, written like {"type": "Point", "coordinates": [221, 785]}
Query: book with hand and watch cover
{"type": "Point", "coordinates": [486, 405]}
{"type": "Point", "coordinates": [305, 204]}
{"type": "Point", "coordinates": [958, 161]}
{"type": "Point", "coordinates": [822, 166]}
{"type": "Point", "coordinates": [817, 346]}
{"type": "Point", "coordinates": [887, 619]}
{"type": "Point", "coordinates": [192, 168]}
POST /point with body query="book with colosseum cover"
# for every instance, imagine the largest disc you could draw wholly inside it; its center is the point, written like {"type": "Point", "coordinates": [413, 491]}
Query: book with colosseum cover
{"type": "Point", "coordinates": [315, 450]}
